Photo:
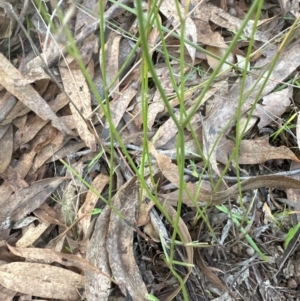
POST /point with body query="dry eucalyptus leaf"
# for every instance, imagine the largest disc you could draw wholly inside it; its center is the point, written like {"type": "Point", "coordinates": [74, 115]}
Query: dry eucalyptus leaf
{"type": "Point", "coordinates": [6, 149]}
{"type": "Point", "coordinates": [260, 151]}
{"type": "Point", "coordinates": [205, 35]}
{"type": "Point", "coordinates": [34, 123]}
{"type": "Point", "coordinates": [119, 244]}
{"type": "Point", "coordinates": [273, 106]}
{"type": "Point", "coordinates": [112, 63]}
{"type": "Point", "coordinates": [90, 202]}
{"type": "Point", "coordinates": [41, 280]}
{"type": "Point", "coordinates": [97, 286]}
{"type": "Point", "coordinates": [48, 255]}
{"type": "Point", "coordinates": [170, 11]}
{"type": "Point", "coordinates": [223, 113]}
{"type": "Point", "coordinates": [16, 84]}
{"type": "Point", "coordinates": [77, 88]}
{"type": "Point", "coordinates": [28, 199]}
{"type": "Point", "coordinates": [32, 234]}
{"type": "Point", "coordinates": [220, 52]}
{"type": "Point", "coordinates": [118, 108]}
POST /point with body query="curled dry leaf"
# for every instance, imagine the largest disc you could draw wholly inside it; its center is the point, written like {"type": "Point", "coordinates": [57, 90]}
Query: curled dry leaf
{"type": "Point", "coordinates": [221, 197]}
{"type": "Point", "coordinates": [41, 280]}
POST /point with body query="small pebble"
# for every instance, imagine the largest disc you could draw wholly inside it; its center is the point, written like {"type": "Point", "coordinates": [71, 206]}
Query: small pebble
{"type": "Point", "coordinates": [250, 251]}
{"type": "Point", "coordinates": [292, 283]}
{"type": "Point", "coordinates": [232, 11]}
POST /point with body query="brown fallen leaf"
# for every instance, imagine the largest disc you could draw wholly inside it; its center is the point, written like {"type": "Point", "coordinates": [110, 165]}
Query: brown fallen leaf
{"type": "Point", "coordinates": [34, 123]}
{"type": "Point", "coordinates": [32, 233]}
{"type": "Point", "coordinates": [28, 199]}
{"type": "Point", "coordinates": [213, 62]}
{"type": "Point", "coordinates": [11, 177]}
{"type": "Point", "coordinates": [260, 151]}
{"type": "Point", "coordinates": [112, 64]}
{"type": "Point", "coordinates": [118, 108]}
{"type": "Point", "coordinates": [170, 11]}
{"type": "Point", "coordinates": [41, 280]}
{"type": "Point", "coordinates": [16, 84]}
{"type": "Point", "coordinates": [77, 89]}
{"type": "Point", "coordinates": [90, 202]}
{"type": "Point", "coordinates": [97, 285]}
{"type": "Point", "coordinates": [6, 148]}
{"type": "Point", "coordinates": [119, 244]}
{"type": "Point", "coordinates": [49, 256]}
{"type": "Point", "coordinates": [223, 113]}
{"type": "Point", "coordinates": [273, 106]}
{"type": "Point", "coordinates": [17, 109]}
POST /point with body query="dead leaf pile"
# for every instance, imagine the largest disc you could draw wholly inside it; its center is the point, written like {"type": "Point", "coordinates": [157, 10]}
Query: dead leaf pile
{"type": "Point", "coordinates": [54, 109]}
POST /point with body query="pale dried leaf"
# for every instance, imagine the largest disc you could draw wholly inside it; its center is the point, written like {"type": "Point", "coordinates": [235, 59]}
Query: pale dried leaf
{"type": "Point", "coordinates": [91, 199]}
{"type": "Point", "coordinates": [76, 87]}
{"type": "Point", "coordinates": [29, 198]}
{"type": "Point", "coordinates": [6, 148]}
{"type": "Point", "coordinates": [69, 149]}
{"type": "Point", "coordinates": [205, 35]}
{"type": "Point", "coordinates": [220, 52]}
{"type": "Point", "coordinates": [13, 81]}
{"type": "Point", "coordinates": [225, 104]}
{"type": "Point", "coordinates": [32, 234]}
{"type": "Point", "coordinates": [11, 109]}
{"type": "Point", "coordinates": [220, 17]}
{"type": "Point", "coordinates": [84, 19]}
{"type": "Point", "coordinates": [41, 280]}
{"type": "Point", "coordinates": [260, 151]}
{"type": "Point", "coordinates": [273, 106]}
{"type": "Point", "coordinates": [34, 123]}
{"type": "Point", "coordinates": [7, 294]}
{"type": "Point", "coordinates": [119, 243]}
{"type": "Point", "coordinates": [112, 63]}
{"type": "Point", "coordinates": [97, 286]}
{"type": "Point", "coordinates": [170, 11]}
{"type": "Point", "coordinates": [49, 256]}
{"type": "Point", "coordinates": [48, 150]}
{"type": "Point", "coordinates": [118, 108]}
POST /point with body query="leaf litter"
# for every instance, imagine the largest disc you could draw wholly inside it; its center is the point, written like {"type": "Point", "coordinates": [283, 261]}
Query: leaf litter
{"type": "Point", "coordinates": [103, 237]}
